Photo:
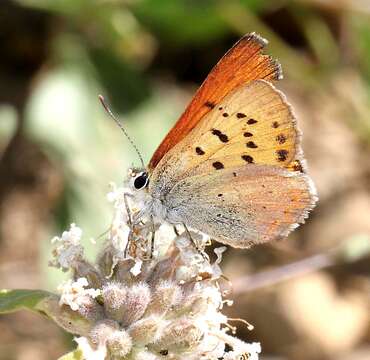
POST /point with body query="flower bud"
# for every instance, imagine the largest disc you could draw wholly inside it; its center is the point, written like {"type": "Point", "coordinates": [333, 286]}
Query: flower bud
{"type": "Point", "coordinates": [114, 296]}
{"type": "Point", "coordinates": [164, 297]}
{"type": "Point", "coordinates": [119, 344]}
{"type": "Point", "coordinates": [102, 331]}
{"type": "Point", "coordinates": [91, 309]}
{"type": "Point", "coordinates": [146, 330]}
{"type": "Point", "coordinates": [195, 306]}
{"type": "Point", "coordinates": [180, 336]}
{"type": "Point", "coordinates": [135, 304]}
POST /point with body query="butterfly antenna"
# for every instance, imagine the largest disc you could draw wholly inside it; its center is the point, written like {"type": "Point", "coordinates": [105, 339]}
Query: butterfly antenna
{"type": "Point", "coordinates": [110, 113]}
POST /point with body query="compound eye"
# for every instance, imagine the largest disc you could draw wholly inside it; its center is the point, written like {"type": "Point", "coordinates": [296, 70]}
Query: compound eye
{"type": "Point", "coordinates": [141, 181]}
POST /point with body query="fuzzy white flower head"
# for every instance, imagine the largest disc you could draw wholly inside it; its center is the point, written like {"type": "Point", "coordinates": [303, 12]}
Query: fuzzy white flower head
{"type": "Point", "coordinates": [74, 294]}
{"type": "Point", "coordinates": [156, 299]}
{"type": "Point", "coordinates": [68, 250]}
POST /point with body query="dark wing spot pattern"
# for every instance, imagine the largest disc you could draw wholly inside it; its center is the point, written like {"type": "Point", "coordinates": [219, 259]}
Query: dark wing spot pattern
{"type": "Point", "coordinates": [225, 114]}
{"type": "Point", "coordinates": [251, 121]}
{"type": "Point", "coordinates": [251, 145]}
{"type": "Point", "coordinates": [199, 150]}
{"type": "Point", "coordinates": [282, 154]}
{"type": "Point", "coordinates": [209, 104]}
{"type": "Point", "coordinates": [218, 165]}
{"type": "Point", "coordinates": [240, 115]}
{"type": "Point", "coordinates": [223, 137]}
{"type": "Point", "coordinates": [248, 159]}
{"type": "Point", "coordinates": [281, 138]}
{"type": "Point", "coordinates": [247, 134]}
{"type": "Point", "coordinates": [275, 124]}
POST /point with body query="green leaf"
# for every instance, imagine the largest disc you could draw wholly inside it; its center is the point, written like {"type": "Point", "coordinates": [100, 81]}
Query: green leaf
{"type": "Point", "coordinates": [47, 304]}
{"type": "Point", "coordinates": [73, 355]}
{"type": "Point", "coordinates": [14, 300]}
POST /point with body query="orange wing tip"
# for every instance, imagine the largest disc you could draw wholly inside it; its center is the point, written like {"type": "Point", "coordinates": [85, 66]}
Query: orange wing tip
{"type": "Point", "coordinates": [260, 42]}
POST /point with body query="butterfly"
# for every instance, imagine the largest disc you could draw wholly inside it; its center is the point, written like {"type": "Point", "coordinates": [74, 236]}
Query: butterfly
{"type": "Point", "coordinates": [232, 166]}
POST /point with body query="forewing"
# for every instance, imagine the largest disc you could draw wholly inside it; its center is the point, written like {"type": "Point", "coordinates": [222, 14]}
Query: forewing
{"type": "Point", "coordinates": [240, 65]}
{"type": "Point", "coordinates": [252, 125]}
{"type": "Point", "coordinates": [243, 206]}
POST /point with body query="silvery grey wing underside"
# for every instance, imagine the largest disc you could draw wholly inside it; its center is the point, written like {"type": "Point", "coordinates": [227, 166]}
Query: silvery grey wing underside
{"type": "Point", "coordinates": [243, 206]}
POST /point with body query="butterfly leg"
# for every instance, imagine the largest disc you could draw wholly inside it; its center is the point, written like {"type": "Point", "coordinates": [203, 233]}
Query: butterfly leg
{"type": "Point", "coordinates": [128, 211]}
{"type": "Point", "coordinates": [195, 244]}
{"type": "Point", "coordinates": [176, 231]}
{"type": "Point", "coordinates": [152, 238]}
{"type": "Point", "coordinates": [129, 221]}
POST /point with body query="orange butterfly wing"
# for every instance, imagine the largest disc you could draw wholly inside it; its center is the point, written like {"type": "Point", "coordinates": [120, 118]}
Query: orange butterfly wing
{"type": "Point", "coordinates": [243, 63]}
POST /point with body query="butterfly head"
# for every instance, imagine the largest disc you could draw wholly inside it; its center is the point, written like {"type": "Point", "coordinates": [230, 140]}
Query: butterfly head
{"type": "Point", "coordinates": [138, 179]}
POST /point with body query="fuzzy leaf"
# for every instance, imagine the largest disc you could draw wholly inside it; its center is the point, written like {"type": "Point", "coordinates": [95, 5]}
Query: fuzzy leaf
{"type": "Point", "coordinates": [73, 355]}
{"type": "Point", "coordinates": [14, 300]}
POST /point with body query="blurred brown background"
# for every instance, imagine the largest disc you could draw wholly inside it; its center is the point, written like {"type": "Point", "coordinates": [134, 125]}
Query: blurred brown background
{"type": "Point", "coordinates": [59, 151]}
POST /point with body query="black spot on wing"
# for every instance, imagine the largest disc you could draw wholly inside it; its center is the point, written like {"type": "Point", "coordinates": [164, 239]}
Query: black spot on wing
{"type": "Point", "coordinates": [282, 154]}
{"type": "Point", "coordinates": [199, 151]}
{"type": "Point", "coordinates": [218, 165]}
{"type": "Point", "coordinates": [247, 134]}
{"type": "Point", "coordinates": [251, 145]}
{"type": "Point", "coordinates": [251, 121]}
{"type": "Point", "coordinates": [281, 138]}
{"type": "Point", "coordinates": [248, 159]}
{"type": "Point", "coordinates": [240, 115]}
{"type": "Point", "coordinates": [275, 124]}
{"type": "Point", "coordinates": [209, 104]}
{"type": "Point", "coordinates": [223, 137]}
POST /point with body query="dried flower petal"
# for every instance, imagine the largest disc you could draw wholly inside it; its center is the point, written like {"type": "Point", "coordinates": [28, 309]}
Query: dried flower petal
{"type": "Point", "coordinates": [74, 293]}
{"type": "Point", "coordinates": [69, 250]}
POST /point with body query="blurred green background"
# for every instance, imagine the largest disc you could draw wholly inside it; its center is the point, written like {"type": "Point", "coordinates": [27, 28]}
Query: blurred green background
{"type": "Point", "coordinates": [59, 150]}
